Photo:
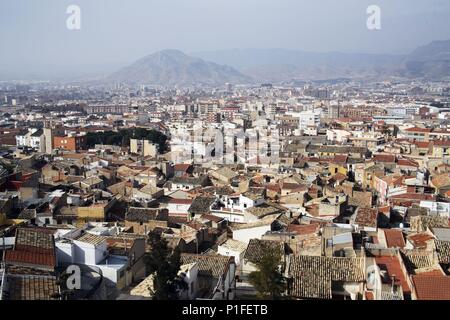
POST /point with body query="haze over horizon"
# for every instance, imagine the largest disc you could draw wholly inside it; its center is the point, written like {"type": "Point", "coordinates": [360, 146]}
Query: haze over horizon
{"type": "Point", "coordinates": [114, 33]}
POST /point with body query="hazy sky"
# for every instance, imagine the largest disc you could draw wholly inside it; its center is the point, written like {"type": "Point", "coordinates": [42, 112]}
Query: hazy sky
{"type": "Point", "coordinates": [34, 36]}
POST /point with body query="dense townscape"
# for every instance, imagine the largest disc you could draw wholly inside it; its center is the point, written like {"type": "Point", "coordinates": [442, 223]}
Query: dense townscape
{"type": "Point", "coordinates": [314, 190]}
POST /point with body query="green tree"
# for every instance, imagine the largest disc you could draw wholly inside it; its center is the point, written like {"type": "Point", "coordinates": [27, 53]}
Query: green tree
{"type": "Point", "coordinates": [122, 137]}
{"type": "Point", "coordinates": [268, 280]}
{"type": "Point", "coordinates": [165, 265]}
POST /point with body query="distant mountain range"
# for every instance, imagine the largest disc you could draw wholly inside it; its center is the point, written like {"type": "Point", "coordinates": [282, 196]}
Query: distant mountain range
{"type": "Point", "coordinates": [173, 67]}
{"type": "Point", "coordinates": [431, 61]}
{"type": "Point", "coordinates": [277, 65]}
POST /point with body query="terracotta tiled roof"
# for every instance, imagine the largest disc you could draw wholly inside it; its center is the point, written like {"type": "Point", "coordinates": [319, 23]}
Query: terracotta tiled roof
{"type": "Point", "coordinates": [264, 210]}
{"type": "Point", "coordinates": [302, 229]}
{"type": "Point", "coordinates": [366, 217]}
{"type": "Point", "coordinates": [201, 205]}
{"type": "Point", "coordinates": [208, 265]}
{"type": "Point", "coordinates": [234, 245]}
{"type": "Point", "coordinates": [441, 180]}
{"type": "Point", "coordinates": [313, 275]}
{"type": "Point", "coordinates": [413, 196]}
{"type": "Point", "coordinates": [419, 240]}
{"type": "Point", "coordinates": [339, 177]}
{"type": "Point", "coordinates": [432, 287]}
{"type": "Point", "coordinates": [146, 214]}
{"type": "Point", "coordinates": [417, 129]}
{"type": "Point", "coordinates": [181, 201]}
{"type": "Point", "coordinates": [442, 143]}
{"type": "Point", "coordinates": [29, 255]}
{"type": "Point", "coordinates": [340, 158]}
{"type": "Point", "coordinates": [394, 238]}
{"type": "Point", "coordinates": [91, 239]}
{"type": "Point", "coordinates": [291, 186]}
{"type": "Point", "coordinates": [421, 222]}
{"type": "Point", "coordinates": [212, 217]}
{"type": "Point", "coordinates": [32, 287]}
{"type": "Point", "coordinates": [418, 259]}
{"type": "Point", "coordinates": [182, 167]}
{"type": "Point", "coordinates": [407, 162]}
{"type": "Point", "coordinates": [256, 248]}
{"type": "Point", "coordinates": [392, 266]}
{"type": "Point", "coordinates": [37, 237]}
{"type": "Point", "coordinates": [389, 158]}
{"type": "Point", "coordinates": [422, 144]}
{"type": "Point", "coordinates": [443, 251]}
{"type": "Point", "coordinates": [33, 247]}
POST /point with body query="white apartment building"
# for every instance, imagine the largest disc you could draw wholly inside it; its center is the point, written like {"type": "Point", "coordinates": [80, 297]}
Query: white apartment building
{"type": "Point", "coordinates": [34, 138]}
{"type": "Point", "coordinates": [338, 135]}
{"type": "Point", "coordinates": [309, 118]}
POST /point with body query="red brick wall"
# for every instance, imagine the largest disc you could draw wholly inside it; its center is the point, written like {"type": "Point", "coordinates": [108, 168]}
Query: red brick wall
{"type": "Point", "coordinates": [69, 143]}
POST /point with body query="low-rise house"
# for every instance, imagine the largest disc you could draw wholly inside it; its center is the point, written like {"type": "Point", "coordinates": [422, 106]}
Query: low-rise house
{"type": "Point", "coordinates": [179, 207]}
{"type": "Point", "coordinates": [91, 183]}
{"type": "Point", "coordinates": [337, 240]}
{"type": "Point", "coordinates": [422, 240]}
{"type": "Point", "coordinates": [441, 148]}
{"type": "Point", "coordinates": [201, 205]}
{"type": "Point", "coordinates": [366, 219]}
{"type": "Point", "coordinates": [441, 182]}
{"type": "Point", "coordinates": [223, 175]}
{"type": "Point", "coordinates": [34, 248]}
{"type": "Point", "coordinates": [233, 248]}
{"type": "Point", "coordinates": [332, 207]}
{"type": "Point", "coordinates": [188, 183]}
{"type": "Point", "coordinates": [326, 277]}
{"type": "Point", "coordinates": [96, 211]}
{"type": "Point", "coordinates": [388, 275]}
{"type": "Point", "coordinates": [182, 169]}
{"type": "Point", "coordinates": [244, 232]}
{"type": "Point", "coordinates": [391, 238]}
{"type": "Point", "coordinates": [131, 247]}
{"type": "Point", "coordinates": [33, 138]}
{"type": "Point", "coordinates": [301, 239]}
{"type": "Point", "coordinates": [263, 210]}
{"type": "Point", "coordinates": [91, 250]}
{"type": "Point", "coordinates": [216, 276]}
{"type": "Point", "coordinates": [144, 220]}
{"type": "Point", "coordinates": [443, 253]}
